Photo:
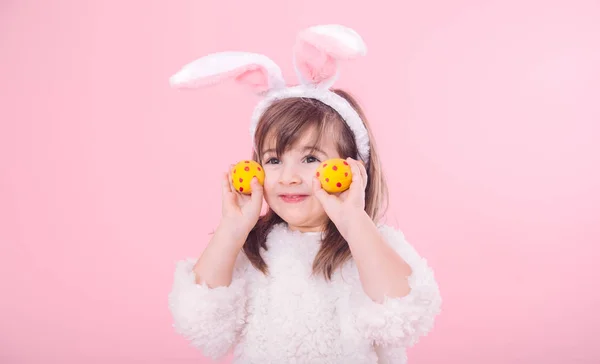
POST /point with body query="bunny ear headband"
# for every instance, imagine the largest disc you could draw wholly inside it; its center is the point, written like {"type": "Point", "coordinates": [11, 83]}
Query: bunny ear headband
{"type": "Point", "coordinates": [317, 53]}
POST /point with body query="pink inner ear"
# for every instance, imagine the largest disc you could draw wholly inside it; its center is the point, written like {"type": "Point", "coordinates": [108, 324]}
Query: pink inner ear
{"type": "Point", "coordinates": [314, 65]}
{"type": "Point", "coordinates": [255, 77]}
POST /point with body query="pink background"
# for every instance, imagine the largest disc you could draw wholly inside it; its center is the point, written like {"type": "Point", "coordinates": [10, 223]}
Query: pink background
{"type": "Point", "coordinates": [486, 112]}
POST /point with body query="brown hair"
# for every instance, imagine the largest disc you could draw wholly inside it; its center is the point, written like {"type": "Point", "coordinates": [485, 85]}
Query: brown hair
{"type": "Point", "coordinates": [284, 122]}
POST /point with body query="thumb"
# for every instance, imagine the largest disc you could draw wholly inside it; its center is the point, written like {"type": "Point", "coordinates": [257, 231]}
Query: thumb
{"type": "Point", "coordinates": [257, 192]}
{"type": "Point", "coordinates": [320, 193]}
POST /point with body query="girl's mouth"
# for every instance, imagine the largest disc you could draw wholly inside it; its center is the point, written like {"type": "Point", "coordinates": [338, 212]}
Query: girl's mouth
{"type": "Point", "coordinates": [293, 198]}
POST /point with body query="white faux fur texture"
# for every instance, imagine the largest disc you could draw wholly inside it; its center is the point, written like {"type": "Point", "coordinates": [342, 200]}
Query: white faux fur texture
{"type": "Point", "coordinates": [217, 67]}
{"type": "Point", "coordinates": [290, 316]}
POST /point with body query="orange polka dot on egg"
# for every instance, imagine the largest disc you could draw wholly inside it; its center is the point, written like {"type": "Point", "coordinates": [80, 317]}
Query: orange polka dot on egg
{"type": "Point", "coordinates": [335, 175]}
{"type": "Point", "coordinates": [242, 177]}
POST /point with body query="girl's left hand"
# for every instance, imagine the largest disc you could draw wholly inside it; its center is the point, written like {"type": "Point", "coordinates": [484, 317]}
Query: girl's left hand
{"type": "Point", "coordinates": [348, 202]}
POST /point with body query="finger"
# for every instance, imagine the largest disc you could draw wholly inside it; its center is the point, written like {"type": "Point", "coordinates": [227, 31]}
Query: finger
{"type": "Point", "coordinates": [227, 194]}
{"type": "Point", "coordinates": [233, 189]}
{"type": "Point", "coordinates": [357, 178]}
{"type": "Point", "coordinates": [360, 166]}
{"type": "Point", "coordinates": [257, 191]}
{"type": "Point", "coordinates": [226, 183]}
{"type": "Point", "coordinates": [363, 173]}
{"type": "Point", "coordinates": [320, 193]}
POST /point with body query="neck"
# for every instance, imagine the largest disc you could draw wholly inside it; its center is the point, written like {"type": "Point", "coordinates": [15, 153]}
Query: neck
{"type": "Point", "coordinates": [307, 228]}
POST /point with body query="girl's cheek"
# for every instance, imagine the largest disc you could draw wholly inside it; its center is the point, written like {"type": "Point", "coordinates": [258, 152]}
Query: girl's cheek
{"type": "Point", "coordinates": [311, 168]}
{"type": "Point", "coordinates": [269, 178]}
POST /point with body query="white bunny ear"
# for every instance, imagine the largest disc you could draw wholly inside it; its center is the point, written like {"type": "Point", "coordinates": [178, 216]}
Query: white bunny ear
{"type": "Point", "coordinates": [251, 69]}
{"type": "Point", "coordinates": [318, 50]}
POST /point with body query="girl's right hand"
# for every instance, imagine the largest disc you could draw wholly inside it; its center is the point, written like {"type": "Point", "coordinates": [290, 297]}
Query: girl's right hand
{"type": "Point", "coordinates": [240, 212]}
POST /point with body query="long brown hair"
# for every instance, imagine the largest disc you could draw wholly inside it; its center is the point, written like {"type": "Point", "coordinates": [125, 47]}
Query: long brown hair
{"type": "Point", "coordinates": [284, 122]}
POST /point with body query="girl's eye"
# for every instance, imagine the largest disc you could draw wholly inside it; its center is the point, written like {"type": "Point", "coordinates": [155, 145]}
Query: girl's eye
{"type": "Point", "coordinates": [312, 159]}
{"type": "Point", "coordinates": [272, 161]}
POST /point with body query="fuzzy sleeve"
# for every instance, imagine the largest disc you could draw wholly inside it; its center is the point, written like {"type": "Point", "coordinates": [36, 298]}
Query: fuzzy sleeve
{"type": "Point", "coordinates": [399, 322]}
{"type": "Point", "coordinates": [210, 318]}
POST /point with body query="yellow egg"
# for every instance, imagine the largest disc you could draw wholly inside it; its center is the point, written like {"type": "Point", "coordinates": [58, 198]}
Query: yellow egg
{"type": "Point", "coordinates": [242, 175]}
{"type": "Point", "coordinates": [335, 175]}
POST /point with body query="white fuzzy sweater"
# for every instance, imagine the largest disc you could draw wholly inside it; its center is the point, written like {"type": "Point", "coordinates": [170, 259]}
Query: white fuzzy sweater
{"type": "Point", "coordinates": [290, 316]}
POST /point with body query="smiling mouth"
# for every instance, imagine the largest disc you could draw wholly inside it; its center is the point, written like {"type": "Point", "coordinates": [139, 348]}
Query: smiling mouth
{"type": "Point", "coordinates": [293, 198]}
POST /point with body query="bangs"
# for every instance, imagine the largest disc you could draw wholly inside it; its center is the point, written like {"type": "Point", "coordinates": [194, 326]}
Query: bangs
{"type": "Point", "coordinates": [288, 121]}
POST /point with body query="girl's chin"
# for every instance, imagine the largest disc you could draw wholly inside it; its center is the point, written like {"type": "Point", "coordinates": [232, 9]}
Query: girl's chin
{"type": "Point", "coordinates": [303, 220]}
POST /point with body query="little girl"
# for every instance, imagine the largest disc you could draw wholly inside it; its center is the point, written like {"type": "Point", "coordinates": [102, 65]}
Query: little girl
{"type": "Point", "coordinates": [316, 279]}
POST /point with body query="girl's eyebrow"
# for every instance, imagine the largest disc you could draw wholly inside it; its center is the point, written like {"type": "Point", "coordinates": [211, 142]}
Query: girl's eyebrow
{"type": "Point", "coordinates": [306, 148]}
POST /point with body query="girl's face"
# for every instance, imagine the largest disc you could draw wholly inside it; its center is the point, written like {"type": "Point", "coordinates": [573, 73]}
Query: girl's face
{"type": "Point", "coordinates": [288, 182]}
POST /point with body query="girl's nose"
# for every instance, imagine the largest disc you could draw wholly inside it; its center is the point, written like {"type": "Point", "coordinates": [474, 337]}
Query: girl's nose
{"type": "Point", "coordinates": [290, 176]}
